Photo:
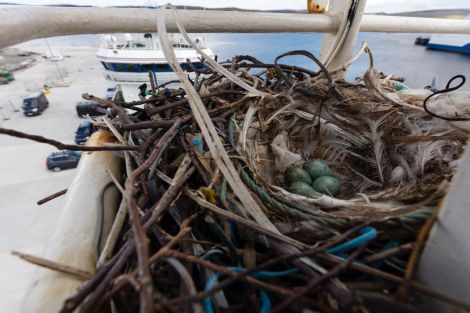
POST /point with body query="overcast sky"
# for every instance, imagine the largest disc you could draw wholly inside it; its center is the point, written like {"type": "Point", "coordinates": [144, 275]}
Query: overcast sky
{"type": "Point", "coordinates": [388, 6]}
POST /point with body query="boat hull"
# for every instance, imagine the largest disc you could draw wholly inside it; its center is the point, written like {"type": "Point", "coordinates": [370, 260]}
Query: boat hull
{"type": "Point", "coordinates": [452, 43]}
{"type": "Point", "coordinates": [139, 78]}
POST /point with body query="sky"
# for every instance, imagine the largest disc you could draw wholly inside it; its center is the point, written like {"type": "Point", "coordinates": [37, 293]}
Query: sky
{"type": "Point", "coordinates": [388, 6]}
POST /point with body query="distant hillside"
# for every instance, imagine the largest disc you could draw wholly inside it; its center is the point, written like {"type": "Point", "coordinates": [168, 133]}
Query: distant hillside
{"type": "Point", "coordinates": [442, 13]}
{"type": "Point", "coordinates": [436, 13]}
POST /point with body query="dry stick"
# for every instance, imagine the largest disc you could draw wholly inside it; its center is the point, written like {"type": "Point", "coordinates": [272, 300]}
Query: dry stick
{"type": "Point", "coordinates": [150, 140]}
{"type": "Point", "coordinates": [217, 268]}
{"type": "Point", "coordinates": [167, 122]}
{"type": "Point", "coordinates": [194, 161]}
{"type": "Point", "coordinates": [114, 266]}
{"type": "Point", "coordinates": [63, 146]}
{"type": "Point", "coordinates": [118, 135]}
{"type": "Point", "coordinates": [402, 139]}
{"type": "Point", "coordinates": [67, 269]}
{"type": "Point", "coordinates": [417, 248]}
{"type": "Point", "coordinates": [149, 124]}
{"type": "Point", "coordinates": [172, 192]}
{"type": "Point", "coordinates": [335, 240]}
{"type": "Point", "coordinates": [125, 118]}
{"type": "Point", "coordinates": [213, 208]}
{"type": "Point", "coordinates": [140, 236]}
{"type": "Point", "coordinates": [171, 105]}
{"type": "Point", "coordinates": [388, 253]}
{"type": "Point", "coordinates": [207, 127]}
{"type": "Point", "coordinates": [393, 278]}
{"type": "Point", "coordinates": [316, 282]}
{"type": "Point", "coordinates": [97, 285]}
{"type": "Point", "coordinates": [184, 230]}
{"type": "Point", "coordinates": [122, 113]}
{"type": "Point", "coordinates": [51, 197]}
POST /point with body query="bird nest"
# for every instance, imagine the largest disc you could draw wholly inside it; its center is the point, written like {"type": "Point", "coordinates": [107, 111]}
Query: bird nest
{"type": "Point", "coordinates": [390, 159]}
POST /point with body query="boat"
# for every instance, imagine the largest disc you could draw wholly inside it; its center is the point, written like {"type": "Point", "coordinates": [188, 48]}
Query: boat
{"type": "Point", "coordinates": [421, 41]}
{"type": "Point", "coordinates": [129, 60]}
{"type": "Point", "coordinates": [446, 42]}
{"type": "Point", "coordinates": [453, 43]}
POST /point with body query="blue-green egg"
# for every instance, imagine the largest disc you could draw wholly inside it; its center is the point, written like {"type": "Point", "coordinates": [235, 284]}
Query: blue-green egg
{"type": "Point", "coordinates": [327, 185]}
{"type": "Point", "coordinates": [303, 189]}
{"type": "Point", "coordinates": [294, 174]}
{"type": "Point", "coordinates": [316, 168]}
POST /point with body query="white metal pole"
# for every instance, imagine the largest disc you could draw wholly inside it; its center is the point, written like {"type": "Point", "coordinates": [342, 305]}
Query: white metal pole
{"type": "Point", "coordinates": [19, 24]}
{"type": "Point", "coordinates": [73, 240]}
{"type": "Point", "coordinates": [337, 47]}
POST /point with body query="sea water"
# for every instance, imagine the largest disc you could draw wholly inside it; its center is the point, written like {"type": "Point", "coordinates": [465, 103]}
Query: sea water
{"type": "Point", "coordinates": [393, 54]}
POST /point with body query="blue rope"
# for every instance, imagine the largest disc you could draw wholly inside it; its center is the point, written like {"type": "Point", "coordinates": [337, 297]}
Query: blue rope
{"type": "Point", "coordinates": [266, 302]}
{"type": "Point", "coordinates": [368, 233]}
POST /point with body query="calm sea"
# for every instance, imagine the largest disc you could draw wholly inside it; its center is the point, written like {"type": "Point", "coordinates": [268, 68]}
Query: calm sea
{"type": "Point", "coordinates": [393, 53]}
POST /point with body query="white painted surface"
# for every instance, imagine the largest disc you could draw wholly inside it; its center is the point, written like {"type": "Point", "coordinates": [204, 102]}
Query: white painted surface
{"type": "Point", "coordinates": [444, 263]}
{"type": "Point", "coordinates": [146, 56]}
{"type": "Point", "coordinates": [24, 179]}
{"type": "Point", "coordinates": [22, 23]}
{"type": "Point", "coordinates": [73, 240]}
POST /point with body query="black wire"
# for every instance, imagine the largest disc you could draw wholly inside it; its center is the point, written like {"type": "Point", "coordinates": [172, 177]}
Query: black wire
{"type": "Point", "coordinates": [306, 54]}
{"type": "Point", "coordinates": [100, 221]}
{"type": "Point", "coordinates": [447, 89]}
{"type": "Point", "coordinates": [352, 11]}
{"type": "Point", "coordinates": [169, 82]}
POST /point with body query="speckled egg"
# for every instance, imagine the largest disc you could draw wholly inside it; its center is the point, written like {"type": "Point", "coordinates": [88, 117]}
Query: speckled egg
{"type": "Point", "coordinates": [327, 185]}
{"type": "Point", "coordinates": [316, 168]}
{"type": "Point", "coordinates": [303, 189]}
{"type": "Point", "coordinates": [294, 174]}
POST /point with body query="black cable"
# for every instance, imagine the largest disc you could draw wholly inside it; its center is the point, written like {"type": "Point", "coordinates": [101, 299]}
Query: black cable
{"type": "Point", "coordinates": [331, 84]}
{"type": "Point", "coordinates": [447, 89]}
{"type": "Point", "coordinates": [169, 82]}
{"type": "Point", "coordinates": [100, 221]}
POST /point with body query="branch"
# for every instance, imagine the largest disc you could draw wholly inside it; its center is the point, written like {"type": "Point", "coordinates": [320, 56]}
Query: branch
{"type": "Point", "coordinates": [63, 146]}
{"type": "Point", "coordinates": [51, 197]}
{"type": "Point", "coordinates": [67, 269]}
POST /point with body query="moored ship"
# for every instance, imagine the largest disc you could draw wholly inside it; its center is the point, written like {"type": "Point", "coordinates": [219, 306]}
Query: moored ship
{"type": "Point", "coordinates": [129, 60]}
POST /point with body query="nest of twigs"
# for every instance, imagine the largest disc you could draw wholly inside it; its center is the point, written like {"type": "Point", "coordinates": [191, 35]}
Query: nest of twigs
{"type": "Point", "coordinates": [392, 159]}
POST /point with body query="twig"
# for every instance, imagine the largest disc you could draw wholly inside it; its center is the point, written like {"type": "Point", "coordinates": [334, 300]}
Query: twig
{"type": "Point", "coordinates": [184, 230]}
{"type": "Point", "coordinates": [63, 146]}
{"type": "Point", "coordinates": [55, 266]}
{"type": "Point", "coordinates": [388, 253]}
{"type": "Point", "coordinates": [393, 278]}
{"type": "Point", "coordinates": [141, 239]}
{"type": "Point", "coordinates": [417, 248]}
{"type": "Point", "coordinates": [171, 105]}
{"type": "Point", "coordinates": [316, 282]}
{"type": "Point", "coordinates": [51, 197]}
{"type": "Point", "coordinates": [217, 268]}
{"type": "Point", "coordinates": [241, 220]}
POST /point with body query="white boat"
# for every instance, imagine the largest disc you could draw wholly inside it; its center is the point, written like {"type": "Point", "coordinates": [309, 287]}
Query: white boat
{"type": "Point", "coordinates": [129, 60]}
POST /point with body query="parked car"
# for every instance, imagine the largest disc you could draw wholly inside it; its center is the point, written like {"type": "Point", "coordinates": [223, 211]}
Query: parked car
{"type": "Point", "coordinates": [110, 92]}
{"type": "Point", "coordinates": [84, 131]}
{"type": "Point", "coordinates": [35, 104]}
{"type": "Point", "coordinates": [62, 160]}
{"type": "Point", "coordinates": [7, 75]}
{"type": "Point", "coordinates": [91, 108]}
{"type": "Point", "coordinates": [55, 57]}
